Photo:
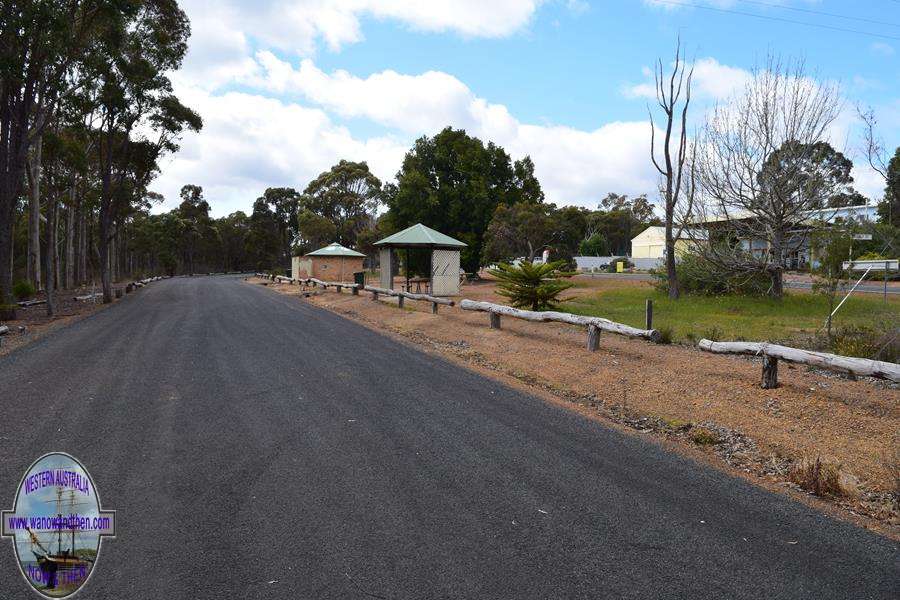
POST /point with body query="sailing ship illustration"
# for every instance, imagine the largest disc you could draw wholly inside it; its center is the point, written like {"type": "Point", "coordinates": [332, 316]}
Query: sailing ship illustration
{"type": "Point", "coordinates": [69, 565]}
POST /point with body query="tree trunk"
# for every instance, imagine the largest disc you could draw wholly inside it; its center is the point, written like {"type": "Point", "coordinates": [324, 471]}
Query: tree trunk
{"type": "Point", "coordinates": [11, 176]}
{"type": "Point", "coordinates": [671, 273]}
{"type": "Point", "coordinates": [776, 266]}
{"type": "Point", "coordinates": [33, 263]}
{"type": "Point", "coordinates": [82, 245]}
{"type": "Point", "coordinates": [103, 254]}
{"type": "Point", "coordinates": [70, 241]}
{"type": "Point", "coordinates": [6, 252]}
{"type": "Point", "coordinates": [50, 254]}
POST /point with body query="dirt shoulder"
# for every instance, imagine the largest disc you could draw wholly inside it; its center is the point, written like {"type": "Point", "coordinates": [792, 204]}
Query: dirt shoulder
{"type": "Point", "coordinates": [675, 393]}
{"type": "Point", "coordinates": [32, 322]}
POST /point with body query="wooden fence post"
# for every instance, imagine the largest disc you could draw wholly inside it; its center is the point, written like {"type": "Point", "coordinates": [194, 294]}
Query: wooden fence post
{"type": "Point", "coordinates": [593, 341]}
{"type": "Point", "coordinates": [400, 301]}
{"type": "Point", "coordinates": [374, 296]}
{"type": "Point", "coordinates": [434, 306]}
{"type": "Point", "coordinates": [495, 321]}
{"type": "Point", "coordinates": [649, 319]}
{"type": "Point", "coordinates": [355, 291]}
{"type": "Point", "coordinates": [769, 372]}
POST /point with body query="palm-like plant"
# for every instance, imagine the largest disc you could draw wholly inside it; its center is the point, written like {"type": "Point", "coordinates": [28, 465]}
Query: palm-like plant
{"type": "Point", "coordinates": [534, 286]}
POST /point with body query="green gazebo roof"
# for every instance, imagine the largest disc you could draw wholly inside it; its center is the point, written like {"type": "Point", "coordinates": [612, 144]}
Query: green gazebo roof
{"type": "Point", "coordinates": [337, 250]}
{"type": "Point", "coordinates": [420, 236]}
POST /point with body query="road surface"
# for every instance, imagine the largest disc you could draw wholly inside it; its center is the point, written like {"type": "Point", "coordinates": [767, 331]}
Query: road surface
{"type": "Point", "coordinates": [258, 447]}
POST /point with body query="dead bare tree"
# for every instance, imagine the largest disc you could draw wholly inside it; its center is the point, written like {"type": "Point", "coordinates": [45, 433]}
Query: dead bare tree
{"type": "Point", "coordinates": [879, 160]}
{"type": "Point", "coordinates": [873, 146]}
{"type": "Point", "coordinates": [763, 167]}
{"type": "Point", "coordinates": [673, 94]}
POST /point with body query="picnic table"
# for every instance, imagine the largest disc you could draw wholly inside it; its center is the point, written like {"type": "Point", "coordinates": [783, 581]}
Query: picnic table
{"type": "Point", "coordinates": [418, 281]}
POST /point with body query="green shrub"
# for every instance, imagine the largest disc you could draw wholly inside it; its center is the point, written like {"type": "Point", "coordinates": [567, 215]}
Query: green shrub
{"type": "Point", "coordinates": [704, 437]}
{"type": "Point", "coordinates": [666, 334]}
{"type": "Point", "coordinates": [23, 290]}
{"type": "Point", "coordinates": [714, 333]}
{"type": "Point", "coordinates": [863, 341]}
{"type": "Point", "coordinates": [871, 256]}
{"type": "Point", "coordinates": [696, 275]}
{"type": "Point", "coordinates": [533, 286]}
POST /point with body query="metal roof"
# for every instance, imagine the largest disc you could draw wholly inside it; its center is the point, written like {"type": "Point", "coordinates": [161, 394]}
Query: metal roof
{"type": "Point", "coordinates": [337, 250]}
{"type": "Point", "coordinates": [419, 235]}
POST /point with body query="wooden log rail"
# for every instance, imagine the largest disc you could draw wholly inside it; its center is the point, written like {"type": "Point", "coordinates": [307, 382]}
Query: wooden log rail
{"type": "Point", "coordinates": [772, 353]}
{"type": "Point", "coordinates": [338, 285]}
{"type": "Point", "coordinates": [594, 324]}
{"type": "Point", "coordinates": [401, 295]}
{"type": "Point", "coordinates": [27, 303]}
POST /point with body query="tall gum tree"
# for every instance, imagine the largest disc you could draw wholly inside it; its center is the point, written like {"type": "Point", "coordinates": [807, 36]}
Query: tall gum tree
{"type": "Point", "coordinates": [137, 118]}
{"type": "Point", "coordinates": [43, 44]}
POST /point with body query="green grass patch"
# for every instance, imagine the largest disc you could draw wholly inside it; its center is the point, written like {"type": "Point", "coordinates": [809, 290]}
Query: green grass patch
{"type": "Point", "coordinates": [798, 315]}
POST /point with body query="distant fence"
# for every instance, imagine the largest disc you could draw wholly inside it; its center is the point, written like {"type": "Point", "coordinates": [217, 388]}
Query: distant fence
{"type": "Point", "coordinates": [312, 281]}
{"type": "Point", "coordinates": [600, 263]}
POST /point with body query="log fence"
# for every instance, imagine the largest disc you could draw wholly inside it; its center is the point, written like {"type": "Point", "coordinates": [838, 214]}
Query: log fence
{"type": "Point", "coordinates": [772, 353]}
{"type": "Point", "coordinates": [313, 282]}
{"type": "Point", "coordinates": [594, 324]}
{"type": "Point", "coordinates": [401, 296]}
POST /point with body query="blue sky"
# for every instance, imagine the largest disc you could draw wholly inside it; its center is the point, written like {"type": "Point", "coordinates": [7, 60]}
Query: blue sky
{"type": "Point", "coordinates": [289, 87]}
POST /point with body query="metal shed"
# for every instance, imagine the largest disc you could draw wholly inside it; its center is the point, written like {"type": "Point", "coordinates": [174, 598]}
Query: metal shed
{"type": "Point", "coordinates": [444, 258]}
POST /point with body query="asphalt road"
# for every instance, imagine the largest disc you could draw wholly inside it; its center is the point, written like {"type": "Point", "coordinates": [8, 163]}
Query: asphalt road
{"type": "Point", "coordinates": [258, 447]}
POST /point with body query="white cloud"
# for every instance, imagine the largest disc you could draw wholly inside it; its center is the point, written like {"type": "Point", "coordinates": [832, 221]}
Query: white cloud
{"type": "Point", "coordinates": [882, 48]}
{"type": "Point", "coordinates": [711, 80]}
{"type": "Point", "coordinates": [250, 142]}
{"type": "Point", "coordinates": [253, 141]}
{"type": "Point", "coordinates": [285, 127]}
{"type": "Point", "coordinates": [298, 25]}
{"type": "Point", "coordinates": [574, 166]}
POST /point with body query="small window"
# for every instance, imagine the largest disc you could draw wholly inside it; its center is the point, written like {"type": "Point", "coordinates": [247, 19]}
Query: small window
{"type": "Point", "coordinates": [324, 267]}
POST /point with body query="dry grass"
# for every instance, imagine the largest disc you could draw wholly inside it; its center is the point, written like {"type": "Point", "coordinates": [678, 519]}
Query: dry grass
{"type": "Point", "coordinates": [822, 478]}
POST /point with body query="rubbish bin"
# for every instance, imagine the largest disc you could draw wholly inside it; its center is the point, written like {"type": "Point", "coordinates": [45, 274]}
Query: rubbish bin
{"type": "Point", "coordinates": [359, 278]}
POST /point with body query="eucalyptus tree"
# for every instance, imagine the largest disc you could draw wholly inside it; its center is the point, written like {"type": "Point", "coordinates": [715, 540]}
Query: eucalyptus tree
{"type": "Point", "coordinates": [43, 45]}
{"type": "Point", "coordinates": [137, 118]}
{"type": "Point", "coordinates": [347, 195]}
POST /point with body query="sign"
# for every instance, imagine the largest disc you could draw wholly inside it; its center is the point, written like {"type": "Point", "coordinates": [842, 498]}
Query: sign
{"type": "Point", "coordinates": [57, 525]}
{"type": "Point", "coordinates": [862, 236]}
{"type": "Point", "coordinates": [886, 264]}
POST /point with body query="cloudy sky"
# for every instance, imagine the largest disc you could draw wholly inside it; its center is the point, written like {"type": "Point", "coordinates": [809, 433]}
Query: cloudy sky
{"type": "Point", "coordinates": [287, 88]}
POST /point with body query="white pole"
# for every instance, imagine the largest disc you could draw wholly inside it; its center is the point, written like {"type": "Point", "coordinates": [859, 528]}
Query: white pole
{"type": "Point", "coordinates": [850, 292]}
